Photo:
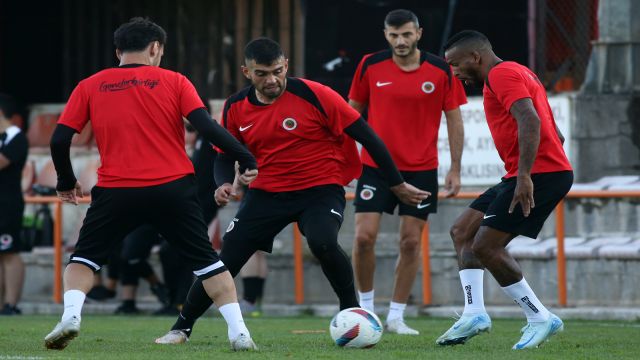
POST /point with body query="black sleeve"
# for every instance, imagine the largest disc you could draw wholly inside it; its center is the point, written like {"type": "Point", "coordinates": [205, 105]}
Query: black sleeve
{"type": "Point", "coordinates": [217, 135]}
{"type": "Point", "coordinates": [224, 170]}
{"type": "Point", "coordinates": [60, 148]}
{"type": "Point", "coordinates": [362, 133]}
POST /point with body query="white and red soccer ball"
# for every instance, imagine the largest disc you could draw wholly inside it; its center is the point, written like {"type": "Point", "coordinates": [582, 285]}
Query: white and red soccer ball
{"type": "Point", "coordinates": [355, 327]}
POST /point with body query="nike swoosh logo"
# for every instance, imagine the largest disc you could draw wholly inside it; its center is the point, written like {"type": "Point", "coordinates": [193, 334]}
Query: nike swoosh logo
{"type": "Point", "coordinates": [488, 216]}
{"type": "Point", "coordinates": [422, 206]}
{"type": "Point", "coordinates": [335, 212]}
{"type": "Point", "coordinates": [245, 128]}
{"type": "Point", "coordinates": [381, 84]}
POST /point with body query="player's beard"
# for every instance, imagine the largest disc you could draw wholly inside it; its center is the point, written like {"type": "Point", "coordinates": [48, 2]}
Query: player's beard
{"type": "Point", "coordinates": [273, 92]}
{"type": "Point", "coordinates": [406, 51]}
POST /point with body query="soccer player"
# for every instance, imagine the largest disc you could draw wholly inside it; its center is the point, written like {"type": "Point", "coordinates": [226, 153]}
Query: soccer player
{"type": "Point", "coordinates": [538, 177]}
{"type": "Point", "coordinates": [136, 110]}
{"type": "Point", "coordinates": [405, 91]}
{"type": "Point", "coordinates": [13, 155]}
{"type": "Point", "coordinates": [302, 134]}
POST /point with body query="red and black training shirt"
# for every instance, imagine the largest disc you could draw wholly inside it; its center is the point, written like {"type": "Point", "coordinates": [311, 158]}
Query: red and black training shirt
{"type": "Point", "coordinates": [136, 113]}
{"type": "Point", "coordinates": [507, 83]}
{"type": "Point", "coordinates": [298, 140]}
{"type": "Point", "coordinates": [405, 107]}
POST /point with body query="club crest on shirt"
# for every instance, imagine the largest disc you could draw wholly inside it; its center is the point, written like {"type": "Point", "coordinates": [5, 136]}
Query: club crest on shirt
{"type": "Point", "coordinates": [289, 124]}
{"type": "Point", "coordinates": [5, 241]}
{"type": "Point", "coordinates": [428, 87]}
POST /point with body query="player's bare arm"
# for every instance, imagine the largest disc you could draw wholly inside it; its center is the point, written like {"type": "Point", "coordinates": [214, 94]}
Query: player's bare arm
{"type": "Point", "coordinates": [528, 141]}
{"type": "Point", "coordinates": [455, 130]}
{"type": "Point", "coordinates": [359, 107]}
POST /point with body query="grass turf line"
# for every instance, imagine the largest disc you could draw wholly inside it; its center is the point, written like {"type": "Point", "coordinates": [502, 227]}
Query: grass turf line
{"type": "Point", "coordinates": [119, 337]}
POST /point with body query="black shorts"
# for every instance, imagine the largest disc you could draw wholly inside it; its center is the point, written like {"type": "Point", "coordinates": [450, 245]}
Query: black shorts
{"type": "Point", "coordinates": [373, 193]}
{"type": "Point", "coordinates": [548, 190]}
{"type": "Point", "coordinates": [10, 240]}
{"type": "Point", "coordinates": [10, 227]}
{"type": "Point", "coordinates": [262, 215]}
{"type": "Point", "coordinates": [171, 208]}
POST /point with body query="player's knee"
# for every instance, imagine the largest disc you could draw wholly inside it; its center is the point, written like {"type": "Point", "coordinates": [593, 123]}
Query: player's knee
{"type": "Point", "coordinates": [481, 251]}
{"type": "Point", "coordinates": [459, 234]}
{"type": "Point", "coordinates": [365, 241]}
{"type": "Point", "coordinates": [410, 245]}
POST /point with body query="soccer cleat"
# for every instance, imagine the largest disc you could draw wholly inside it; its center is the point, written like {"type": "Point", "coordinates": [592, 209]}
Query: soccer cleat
{"type": "Point", "coordinates": [250, 309]}
{"type": "Point", "coordinates": [173, 337]}
{"type": "Point", "coordinates": [397, 326]}
{"type": "Point", "coordinates": [62, 334]}
{"type": "Point", "coordinates": [243, 343]}
{"type": "Point", "coordinates": [535, 333]}
{"type": "Point", "coordinates": [467, 326]}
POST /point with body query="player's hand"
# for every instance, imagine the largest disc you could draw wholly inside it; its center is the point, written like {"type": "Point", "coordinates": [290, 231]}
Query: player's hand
{"type": "Point", "coordinates": [523, 195]}
{"type": "Point", "coordinates": [71, 196]}
{"type": "Point", "coordinates": [248, 176]}
{"type": "Point", "coordinates": [224, 194]}
{"type": "Point", "coordinates": [452, 183]}
{"type": "Point", "coordinates": [410, 194]}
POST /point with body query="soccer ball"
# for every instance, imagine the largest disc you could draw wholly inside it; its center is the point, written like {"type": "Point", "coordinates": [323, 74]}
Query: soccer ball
{"type": "Point", "coordinates": [355, 327]}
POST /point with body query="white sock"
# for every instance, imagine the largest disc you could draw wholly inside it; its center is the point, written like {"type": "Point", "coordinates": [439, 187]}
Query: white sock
{"type": "Point", "coordinates": [472, 287]}
{"type": "Point", "coordinates": [73, 301]}
{"type": "Point", "coordinates": [235, 323]}
{"type": "Point", "coordinates": [366, 300]}
{"type": "Point", "coordinates": [396, 311]}
{"type": "Point", "coordinates": [522, 294]}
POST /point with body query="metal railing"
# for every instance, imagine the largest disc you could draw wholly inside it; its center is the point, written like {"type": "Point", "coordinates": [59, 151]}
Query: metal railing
{"type": "Point", "coordinates": [298, 252]}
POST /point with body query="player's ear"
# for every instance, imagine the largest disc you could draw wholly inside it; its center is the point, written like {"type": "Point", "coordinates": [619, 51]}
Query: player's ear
{"type": "Point", "coordinates": [419, 33]}
{"type": "Point", "coordinates": [118, 53]}
{"type": "Point", "coordinates": [286, 65]}
{"type": "Point", "coordinates": [245, 71]}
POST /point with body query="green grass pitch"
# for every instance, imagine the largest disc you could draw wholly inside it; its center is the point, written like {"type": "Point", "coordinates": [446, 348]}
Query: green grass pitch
{"type": "Point", "coordinates": [118, 337]}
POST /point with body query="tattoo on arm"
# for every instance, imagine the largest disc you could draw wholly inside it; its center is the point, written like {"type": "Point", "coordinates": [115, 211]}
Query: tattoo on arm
{"type": "Point", "coordinates": [528, 133]}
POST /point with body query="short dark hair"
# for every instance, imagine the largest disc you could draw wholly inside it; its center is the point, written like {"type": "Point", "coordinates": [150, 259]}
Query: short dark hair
{"type": "Point", "coordinates": [468, 37]}
{"type": "Point", "coordinates": [399, 17]}
{"type": "Point", "coordinates": [263, 50]}
{"type": "Point", "coordinates": [7, 105]}
{"type": "Point", "coordinates": [137, 34]}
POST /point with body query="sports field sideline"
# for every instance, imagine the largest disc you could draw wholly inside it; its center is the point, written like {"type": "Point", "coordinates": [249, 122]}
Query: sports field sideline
{"type": "Point", "coordinates": [111, 337]}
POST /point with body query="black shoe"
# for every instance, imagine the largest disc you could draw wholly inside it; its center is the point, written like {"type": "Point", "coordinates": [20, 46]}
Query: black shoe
{"type": "Point", "coordinates": [162, 293]}
{"type": "Point", "coordinates": [170, 310]}
{"type": "Point", "coordinates": [8, 309]}
{"type": "Point", "coordinates": [100, 293]}
{"type": "Point", "coordinates": [127, 308]}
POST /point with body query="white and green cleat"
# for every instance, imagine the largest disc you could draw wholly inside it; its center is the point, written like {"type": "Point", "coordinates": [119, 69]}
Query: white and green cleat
{"type": "Point", "coordinates": [62, 334]}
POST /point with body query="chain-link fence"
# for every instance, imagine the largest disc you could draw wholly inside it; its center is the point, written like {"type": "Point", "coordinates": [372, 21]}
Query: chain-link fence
{"type": "Point", "coordinates": [563, 34]}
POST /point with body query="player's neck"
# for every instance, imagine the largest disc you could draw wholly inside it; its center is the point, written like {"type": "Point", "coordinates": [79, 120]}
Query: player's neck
{"type": "Point", "coordinates": [134, 58]}
{"type": "Point", "coordinates": [409, 62]}
{"type": "Point", "coordinates": [4, 125]}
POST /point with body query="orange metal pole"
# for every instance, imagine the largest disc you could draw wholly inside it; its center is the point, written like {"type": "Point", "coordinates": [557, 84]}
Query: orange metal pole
{"type": "Point", "coordinates": [298, 265]}
{"type": "Point", "coordinates": [561, 261]}
{"type": "Point", "coordinates": [57, 254]}
{"type": "Point", "coordinates": [426, 266]}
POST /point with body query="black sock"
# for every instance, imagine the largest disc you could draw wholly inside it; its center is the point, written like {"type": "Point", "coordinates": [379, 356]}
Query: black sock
{"type": "Point", "coordinates": [195, 305]}
{"type": "Point", "coordinates": [253, 287]}
{"type": "Point", "coordinates": [337, 268]}
{"type": "Point", "coordinates": [129, 303]}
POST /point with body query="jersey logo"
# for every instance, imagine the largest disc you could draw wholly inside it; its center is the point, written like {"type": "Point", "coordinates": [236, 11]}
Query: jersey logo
{"type": "Point", "coordinates": [381, 84]}
{"type": "Point", "coordinates": [487, 216]}
{"type": "Point", "coordinates": [366, 194]}
{"type": "Point", "coordinates": [289, 124]}
{"type": "Point", "coordinates": [428, 87]}
{"type": "Point", "coordinates": [243, 128]}
{"type": "Point", "coordinates": [422, 206]}
{"type": "Point", "coordinates": [232, 224]}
